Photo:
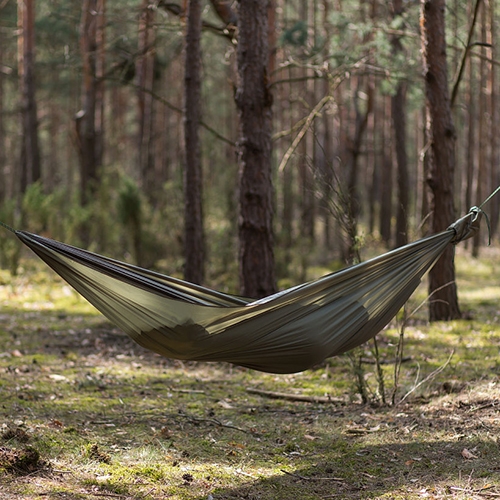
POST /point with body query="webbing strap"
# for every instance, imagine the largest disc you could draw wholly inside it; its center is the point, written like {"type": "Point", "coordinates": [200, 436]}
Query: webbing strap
{"type": "Point", "coordinates": [7, 227]}
{"type": "Point", "coordinates": [478, 211]}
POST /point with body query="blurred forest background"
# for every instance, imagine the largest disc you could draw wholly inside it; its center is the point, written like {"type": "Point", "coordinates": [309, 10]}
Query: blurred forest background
{"type": "Point", "coordinates": [93, 121]}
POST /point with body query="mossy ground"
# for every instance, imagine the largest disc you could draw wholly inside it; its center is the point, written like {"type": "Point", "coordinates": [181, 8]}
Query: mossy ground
{"type": "Point", "coordinates": [108, 419]}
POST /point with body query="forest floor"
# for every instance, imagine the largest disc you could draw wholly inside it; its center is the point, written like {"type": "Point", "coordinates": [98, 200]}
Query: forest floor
{"type": "Point", "coordinates": [87, 414]}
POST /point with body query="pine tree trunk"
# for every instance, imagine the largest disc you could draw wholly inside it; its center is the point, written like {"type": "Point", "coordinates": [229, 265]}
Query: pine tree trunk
{"type": "Point", "coordinates": [386, 174]}
{"type": "Point", "coordinates": [99, 75]}
{"type": "Point", "coordinates": [30, 152]}
{"type": "Point", "coordinates": [495, 117]}
{"type": "Point", "coordinates": [483, 127]}
{"type": "Point", "coordinates": [398, 112]}
{"type": "Point", "coordinates": [471, 139]}
{"type": "Point", "coordinates": [3, 142]}
{"type": "Point", "coordinates": [399, 123]}
{"type": "Point", "coordinates": [89, 118]}
{"type": "Point", "coordinates": [193, 214]}
{"type": "Point", "coordinates": [144, 80]}
{"type": "Point", "coordinates": [254, 103]}
{"type": "Point", "coordinates": [441, 134]}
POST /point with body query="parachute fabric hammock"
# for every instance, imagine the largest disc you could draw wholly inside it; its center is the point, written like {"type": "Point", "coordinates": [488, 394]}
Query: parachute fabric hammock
{"type": "Point", "coordinates": [287, 332]}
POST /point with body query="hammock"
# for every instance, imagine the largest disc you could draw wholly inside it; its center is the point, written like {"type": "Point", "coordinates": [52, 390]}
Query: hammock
{"type": "Point", "coordinates": [287, 332]}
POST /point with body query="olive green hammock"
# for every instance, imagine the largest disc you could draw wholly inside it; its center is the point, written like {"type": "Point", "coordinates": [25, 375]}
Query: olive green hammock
{"type": "Point", "coordinates": [287, 332]}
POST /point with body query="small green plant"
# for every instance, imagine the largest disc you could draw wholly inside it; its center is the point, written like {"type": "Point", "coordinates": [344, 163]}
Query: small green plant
{"type": "Point", "coordinates": [129, 208]}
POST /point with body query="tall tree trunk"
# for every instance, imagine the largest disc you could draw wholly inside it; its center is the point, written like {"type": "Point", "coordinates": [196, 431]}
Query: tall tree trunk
{"type": "Point", "coordinates": [471, 105]}
{"type": "Point", "coordinates": [4, 190]}
{"type": "Point", "coordinates": [356, 142]}
{"type": "Point", "coordinates": [100, 68]}
{"type": "Point", "coordinates": [495, 118]}
{"type": "Point", "coordinates": [89, 118]}
{"type": "Point", "coordinates": [305, 155]}
{"type": "Point", "coordinates": [194, 247]}
{"type": "Point", "coordinates": [288, 182]}
{"type": "Point", "coordinates": [386, 174]}
{"type": "Point", "coordinates": [374, 192]}
{"type": "Point", "coordinates": [441, 134]}
{"type": "Point", "coordinates": [144, 80]}
{"type": "Point", "coordinates": [326, 140]}
{"type": "Point", "coordinates": [398, 112]}
{"type": "Point", "coordinates": [254, 103]}
{"type": "Point", "coordinates": [483, 127]}
{"type": "Point", "coordinates": [30, 152]}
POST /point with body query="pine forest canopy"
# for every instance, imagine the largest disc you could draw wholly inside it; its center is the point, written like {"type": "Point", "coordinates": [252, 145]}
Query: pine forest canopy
{"type": "Point", "coordinates": [93, 121]}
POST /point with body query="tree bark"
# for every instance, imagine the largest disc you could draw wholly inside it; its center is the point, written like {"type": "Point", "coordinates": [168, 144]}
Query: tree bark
{"type": "Point", "coordinates": [483, 128]}
{"type": "Point", "coordinates": [194, 246]}
{"type": "Point", "coordinates": [441, 134]}
{"type": "Point", "coordinates": [471, 139]}
{"type": "Point", "coordinates": [3, 142]}
{"type": "Point", "coordinates": [495, 118]}
{"type": "Point", "coordinates": [89, 119]}
{"type": "Point", "coordinates": [254, 103]}
{"type": "Point", "coordinates": [398, 112]}
{"type": "Point", "coordinates": [144, 79]}
{"type": "Point", "coordinates": [386, 188]}
{"type": "Point", "coordinates": [354, 154]}
{"type": "Point", "coordinates": [30, 151]}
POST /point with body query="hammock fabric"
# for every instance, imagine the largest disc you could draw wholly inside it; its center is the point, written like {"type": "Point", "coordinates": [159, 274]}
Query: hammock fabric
{"type": "Point", "coordinates": [287, 332]}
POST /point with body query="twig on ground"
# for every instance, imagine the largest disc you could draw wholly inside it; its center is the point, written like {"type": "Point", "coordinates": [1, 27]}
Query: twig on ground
{"type": "Point", "coordinates": [305, 478]}
{"type": "Point", "coordinates": [429, 377]}
{"type": "Point", "coordinates": [214, 421]}
{"type": "Point", "coordinates": [481, 491]}
{"type": "Point", "coordinates": [491, 404]}
{"type": "Point", "coordinates": [188, 391]}
{"type": "Point", "coordinates": [294, 397]}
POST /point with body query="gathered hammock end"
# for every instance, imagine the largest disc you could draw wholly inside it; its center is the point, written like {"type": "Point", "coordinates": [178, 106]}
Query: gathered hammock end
{"type": "Point", "coordinates": [287, 332]}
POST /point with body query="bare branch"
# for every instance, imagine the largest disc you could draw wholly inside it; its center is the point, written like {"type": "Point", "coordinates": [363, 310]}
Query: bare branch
{"type": "Point", "coordinates": [294, 397]}
{"type": "Point", "coordinates": [467, 48]}
{"type": "Point", "coordinates": [310, 118]}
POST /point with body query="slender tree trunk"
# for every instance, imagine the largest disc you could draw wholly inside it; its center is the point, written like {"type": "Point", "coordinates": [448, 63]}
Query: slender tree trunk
{"type": "Point", "coordinates": [3, 142]}
{"type": "Point", "coordinates": [305, 158]}
{"type": "Point", "coordinates": [471, 135]}
{"type": "Point", "coordinates": [254, 103]}
{"type": "Point", "coordinates": [288, 182]}
{"type": "Point", "coordinates": [89, 118]}
{"type": "Point", "coordinates": [441, 134]}
{"type": "Point", "coordinates": [386, 174]}
{"type": "Point", "coordinates": [194, 247]}
{"type": "Point", "coordinates": [52, 174]}
{"type": "Point", "coordinates": [30, 152]}
{"type": "Point", "coordinates": [100, 68]}
{"type": "Point", "coordinates": [145, 79]}
{"type": "Point", "coordinates": [374, 194]}
{"type": "Point", "coordinates": [399, 123]}
{"type": "Point", "coordinates": [495, 119]}
{"type": "Point", "coordinates": [483, 127]}
{"type": "Point", "coordinates": [326, 155]}
{"type": "Point", "coordinates": [356, 142]}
